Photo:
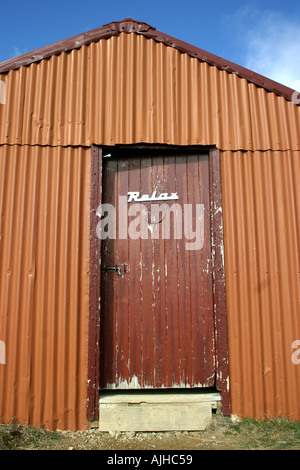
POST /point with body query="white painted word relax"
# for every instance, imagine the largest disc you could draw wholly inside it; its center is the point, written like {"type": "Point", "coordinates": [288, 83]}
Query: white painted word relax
{"type": "Point", "coordinates": [152, 221]}
{"type": "Point", "coordinates": [134, 196]}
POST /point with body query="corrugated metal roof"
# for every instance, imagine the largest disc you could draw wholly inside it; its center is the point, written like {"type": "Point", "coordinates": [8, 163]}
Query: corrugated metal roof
{"type": "Point", "coordinates": [130, 89]}
{"type": "Point", "coordinates": [129, 25]}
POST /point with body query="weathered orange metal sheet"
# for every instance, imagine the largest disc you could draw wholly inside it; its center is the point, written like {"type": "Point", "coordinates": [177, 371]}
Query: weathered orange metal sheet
{"type": "Point", "coordinates": [44, 264]}
{"type": "Point", "coordinates": [261, 204]}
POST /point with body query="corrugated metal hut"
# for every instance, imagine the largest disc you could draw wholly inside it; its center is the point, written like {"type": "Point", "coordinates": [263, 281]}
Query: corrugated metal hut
{"type": "Point", "coordinates": [78, 313]}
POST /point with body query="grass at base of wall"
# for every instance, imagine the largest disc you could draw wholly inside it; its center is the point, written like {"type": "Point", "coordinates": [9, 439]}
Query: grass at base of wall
{"type": "Point", "coordinates": [276, 433]}
{"type": "Point", "coordinates": [16, 436]}
{"type": "Point", "coordinates": [223, 434]}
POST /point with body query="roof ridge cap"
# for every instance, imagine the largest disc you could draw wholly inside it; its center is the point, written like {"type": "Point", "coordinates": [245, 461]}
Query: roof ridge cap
{"type": "Point", "coordinates": [129, 25]}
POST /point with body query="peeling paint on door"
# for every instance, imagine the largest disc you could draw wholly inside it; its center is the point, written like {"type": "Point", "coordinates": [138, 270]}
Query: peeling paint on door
{"type": "Point", "coordinates": [157, 323]}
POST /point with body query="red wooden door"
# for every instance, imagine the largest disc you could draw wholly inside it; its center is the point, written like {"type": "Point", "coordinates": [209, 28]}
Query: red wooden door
{"type": "Point", "coordinates": [157, 322]}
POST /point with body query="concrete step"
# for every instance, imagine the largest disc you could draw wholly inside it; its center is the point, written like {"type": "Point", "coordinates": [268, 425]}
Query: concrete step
{"type": "Point", "coordinates": [157, 411]}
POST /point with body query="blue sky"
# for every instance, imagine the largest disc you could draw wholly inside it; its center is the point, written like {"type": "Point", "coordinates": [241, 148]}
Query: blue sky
{"type": "Point", "coordinates": [261, 35]}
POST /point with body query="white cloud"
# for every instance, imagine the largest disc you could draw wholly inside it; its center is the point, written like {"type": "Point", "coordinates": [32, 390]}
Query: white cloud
{"type": "Point", "coordinates": [18, 51]}
{"type": "Point", "coordinates": [272, 45]}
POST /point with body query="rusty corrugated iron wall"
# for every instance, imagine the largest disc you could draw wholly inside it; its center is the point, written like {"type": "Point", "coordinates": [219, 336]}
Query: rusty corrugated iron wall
{"type": "Point", "coordinates": [261, 204]}
{"type": "Point", "coordinates": [44, 285]}
{"type": "Point", "coordinates": [130, 89]}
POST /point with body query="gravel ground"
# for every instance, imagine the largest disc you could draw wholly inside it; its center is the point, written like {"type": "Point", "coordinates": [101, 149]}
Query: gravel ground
{"type": "Point", "coordinates": [221, 435]}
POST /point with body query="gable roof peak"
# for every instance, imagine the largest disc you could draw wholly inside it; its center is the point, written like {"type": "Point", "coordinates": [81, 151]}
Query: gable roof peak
{"type": "Point", "coordinates": [129, 25]}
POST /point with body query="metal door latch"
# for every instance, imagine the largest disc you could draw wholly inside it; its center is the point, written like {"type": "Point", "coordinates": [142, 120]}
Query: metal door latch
{"type": "Point", "coordinates": [117, 269]}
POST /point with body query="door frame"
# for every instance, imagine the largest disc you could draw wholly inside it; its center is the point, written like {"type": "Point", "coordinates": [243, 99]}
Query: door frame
{"type": "Point", "coordinates": [218, 271]}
